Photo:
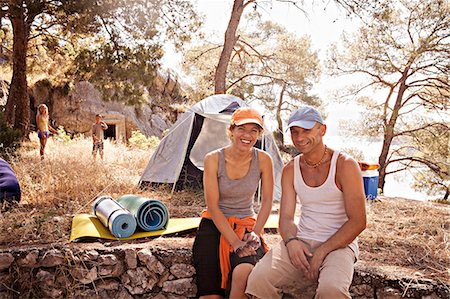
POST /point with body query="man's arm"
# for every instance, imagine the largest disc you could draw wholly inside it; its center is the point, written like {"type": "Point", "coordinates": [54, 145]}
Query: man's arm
{"type": "Point", "coordinates": [104, 125]}
{"type": "Point", "coordinates": [348, 177]}
{"type": "Point", "coordinates": [288, 229]}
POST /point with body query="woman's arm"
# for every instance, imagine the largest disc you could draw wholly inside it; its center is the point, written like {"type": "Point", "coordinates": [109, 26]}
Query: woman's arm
{"type": "Point", "coordinates": [52, 129]}
{"type": "Point", "coordinates": [211, 189]}
{"type": "Point", "coordinates": [267, 183]}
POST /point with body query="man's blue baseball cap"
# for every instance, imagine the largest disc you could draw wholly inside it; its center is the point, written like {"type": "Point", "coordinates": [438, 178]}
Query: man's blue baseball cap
{"type": "Point", "coordinates": [305, 117]}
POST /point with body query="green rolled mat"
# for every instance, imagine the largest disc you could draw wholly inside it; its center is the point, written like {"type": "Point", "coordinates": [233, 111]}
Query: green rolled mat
{"type": "Point", "coordinates": [150, 214]}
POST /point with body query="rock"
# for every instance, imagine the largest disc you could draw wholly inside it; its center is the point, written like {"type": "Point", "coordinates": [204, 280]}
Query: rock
{"type": "Point", "coordinates": [304, 287]}
{"type": "Point", "coordinates": [150, 261]}
{"type": "Point", "coordinates": [6, 260]}
{"type": "Point", "coordinates": [389, 293]}
{"type": "Point", "coordinates": [45, 278]}
{"type": "Point", "coordinates": [52, 258]}
{"type": "Point", "coordinates": [165, 277]}
{"type": "Point", "coordinates": [107, 260]}
{"type": "Point", "coordinates": [76, 110]}
{"type": "Point", "coordinates": [123, 294]}
{"type": "Point", "coordinates": [182, 286]}
{"type": "Point", "coordinates": [360, 290]}
{"type": "Point", "coordinates": [89, 256]}
{"type": "Point", "coordinates": [111, 271]}
{"type": "Point", "coordinates": [139, 280]}
{"type": "Point", "coordinates": [182, 270]}
{"type": "Point", "coordinates": [30, 260]}
{"type": "Point", "coordinates": [130, 259]}
{"type": "Point", "coordinates": [432, 296]}
{"type": "Point", "coordinates": [52, 293]}
{"type": "Point", "coordinates": [86, 276]}
{"type": "Point", "coordinates": [108, 284]}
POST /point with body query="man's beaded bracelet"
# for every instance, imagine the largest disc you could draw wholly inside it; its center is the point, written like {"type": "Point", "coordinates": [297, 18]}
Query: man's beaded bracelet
{"type": "Point", "coordinates": [290, 239]}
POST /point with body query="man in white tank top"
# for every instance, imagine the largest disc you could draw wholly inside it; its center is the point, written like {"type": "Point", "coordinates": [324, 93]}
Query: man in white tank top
{"type": "Point", "coordinates": [322, 248]}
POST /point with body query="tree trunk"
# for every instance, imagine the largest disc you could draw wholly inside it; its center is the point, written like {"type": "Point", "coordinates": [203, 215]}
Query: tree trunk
{"type": "Point", "coordinates": [228, 45]}
{"type": "Point", "coordinates": [447, 193]}
{"type": "Point", "coordinates": [389, 130]}
{"type": "Point", "coordinates": [18, 104]}
{"type": "Point", "coordinates": [387, 140]}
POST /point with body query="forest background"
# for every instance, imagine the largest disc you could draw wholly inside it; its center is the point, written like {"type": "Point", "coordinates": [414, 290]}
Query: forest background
{"type": "Point", "coordinates": [396, 59]}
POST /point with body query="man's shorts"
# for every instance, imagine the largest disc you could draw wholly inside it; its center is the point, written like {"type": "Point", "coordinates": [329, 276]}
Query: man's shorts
{"type": "Point", "coordinates": [43, 134]}
{"type": "Point", "coordinates": [98, 146]}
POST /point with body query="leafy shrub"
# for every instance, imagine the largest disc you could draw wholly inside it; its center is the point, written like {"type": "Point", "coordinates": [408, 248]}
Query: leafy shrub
{"type": "Point", "coordinates": [9, 137]}
{"type": "Point", "coordinates": [141, 141]}
{"type": "Point", "coordinates": [62, 135]}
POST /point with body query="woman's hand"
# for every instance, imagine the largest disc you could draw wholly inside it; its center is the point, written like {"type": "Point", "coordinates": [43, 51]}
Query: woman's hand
{"type": "Point", "coordinates": [253, 240]}
{"type": "Point", "coordinates": [243, 249]}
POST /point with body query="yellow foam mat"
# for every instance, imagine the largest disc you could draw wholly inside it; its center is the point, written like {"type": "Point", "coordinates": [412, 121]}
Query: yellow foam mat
{"type": "Point", "coordinates": [88, 226]}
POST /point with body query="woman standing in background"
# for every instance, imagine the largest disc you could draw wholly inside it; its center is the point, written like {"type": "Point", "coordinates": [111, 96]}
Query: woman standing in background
{"type": "Point", "coordinates": [43, 127]}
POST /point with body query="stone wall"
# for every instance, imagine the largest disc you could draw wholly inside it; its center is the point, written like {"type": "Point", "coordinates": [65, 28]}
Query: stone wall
{"type": "Point", "coordinates": [159, 268]}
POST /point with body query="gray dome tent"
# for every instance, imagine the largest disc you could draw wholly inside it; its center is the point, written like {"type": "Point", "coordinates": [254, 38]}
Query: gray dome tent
{"type": "Point", "coordinates": [178, 159]}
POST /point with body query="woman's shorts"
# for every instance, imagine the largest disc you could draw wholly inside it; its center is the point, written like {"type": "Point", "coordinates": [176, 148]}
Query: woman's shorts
{"type": "Point", "coordinates": [206, 259]}
{"type": "Point", "coordinates": [43, 134]}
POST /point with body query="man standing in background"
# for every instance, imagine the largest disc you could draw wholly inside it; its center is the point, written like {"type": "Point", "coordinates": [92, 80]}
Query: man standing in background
{"type": "Point", "coordinates": [98, 135]}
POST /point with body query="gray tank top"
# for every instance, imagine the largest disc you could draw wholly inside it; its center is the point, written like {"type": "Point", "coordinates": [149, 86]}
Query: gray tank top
{"type": "Point", "coordinates": [236, 196]}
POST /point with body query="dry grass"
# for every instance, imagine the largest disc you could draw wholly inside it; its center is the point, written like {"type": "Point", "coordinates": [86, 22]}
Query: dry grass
{"type": "Point", "coordinates": [67, 182]}
{"type": "Point", "coordinates": [404, 235]}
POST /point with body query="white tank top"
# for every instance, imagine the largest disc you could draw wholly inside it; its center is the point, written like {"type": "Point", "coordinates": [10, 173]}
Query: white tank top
{"type": "Point", "coordinates": [322, 208]}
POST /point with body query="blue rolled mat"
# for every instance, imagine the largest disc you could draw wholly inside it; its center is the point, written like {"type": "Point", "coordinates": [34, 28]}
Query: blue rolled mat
{"type": "Point", "coordinates": [121, 223]}
{"type": "Point", "coordinates": [151, 214]}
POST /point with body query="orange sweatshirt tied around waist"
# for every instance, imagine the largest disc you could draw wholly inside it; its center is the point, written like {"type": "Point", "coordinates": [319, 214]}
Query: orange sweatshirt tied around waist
{"type": "Point", "coordinates": [240, 227]}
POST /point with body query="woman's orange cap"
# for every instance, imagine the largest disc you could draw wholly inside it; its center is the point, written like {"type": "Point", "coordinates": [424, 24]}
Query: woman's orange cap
{"type": "Point", "coordinates": [246, 115]}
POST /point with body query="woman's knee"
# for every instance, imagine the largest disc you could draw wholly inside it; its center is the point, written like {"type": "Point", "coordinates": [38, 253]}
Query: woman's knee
{"type": "Point", "coordinates": [241, 273]}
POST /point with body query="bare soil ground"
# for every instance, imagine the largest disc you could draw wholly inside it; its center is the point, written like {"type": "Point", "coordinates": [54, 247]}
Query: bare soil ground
{"type": "Point", "coordinates": [402, 235]}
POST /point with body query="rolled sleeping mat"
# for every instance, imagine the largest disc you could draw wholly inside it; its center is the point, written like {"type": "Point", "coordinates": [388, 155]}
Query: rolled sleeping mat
{"type": "Point", "coordinates": [151, 214]}
{"type": "Point", "coordinates": [120, 222]}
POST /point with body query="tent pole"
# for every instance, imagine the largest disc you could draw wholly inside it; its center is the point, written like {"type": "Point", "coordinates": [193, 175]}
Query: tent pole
{"type": "Point", "coordinates": [259, 185]}
{"type": "Point", "coordinates": [173, 189]}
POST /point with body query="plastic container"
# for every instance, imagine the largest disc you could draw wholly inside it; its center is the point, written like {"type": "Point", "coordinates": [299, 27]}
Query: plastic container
{"type": "Point", "coordinates": [370, 180]}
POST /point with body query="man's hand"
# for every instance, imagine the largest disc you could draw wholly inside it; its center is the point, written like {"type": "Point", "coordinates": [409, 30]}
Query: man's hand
{"type": "Point", "coordinates": [298, 253]}
{"type": "Point", "coordinates": [316, 261]}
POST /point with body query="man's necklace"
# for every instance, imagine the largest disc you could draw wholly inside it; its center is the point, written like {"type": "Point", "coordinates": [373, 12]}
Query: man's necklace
{"type": "Point", "coordinates": [315, 165]}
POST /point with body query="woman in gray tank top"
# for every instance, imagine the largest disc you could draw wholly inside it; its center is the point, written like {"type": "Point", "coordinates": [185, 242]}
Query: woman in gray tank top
{"type": "Point", "coordinates": [228, 242]}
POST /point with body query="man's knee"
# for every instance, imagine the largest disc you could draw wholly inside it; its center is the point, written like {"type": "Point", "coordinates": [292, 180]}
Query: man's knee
{"type": "Point", "coordinates": [259, 275]}
{"type": "Point", "coordinates": [331, 289]}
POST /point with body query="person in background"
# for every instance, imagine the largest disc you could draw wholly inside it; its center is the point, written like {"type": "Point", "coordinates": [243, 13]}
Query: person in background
{"type": "Point", "coordinates": [98, 136]}
{"type": "Point", "coordinates": [9, 186]}
{"type": "Point", "coordinates": [43, 127]}
{"type": "Point", "coordinates": [323, 246]}
{"type": "Point", "coordinates": [229, 238]}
